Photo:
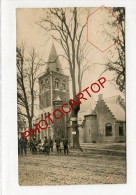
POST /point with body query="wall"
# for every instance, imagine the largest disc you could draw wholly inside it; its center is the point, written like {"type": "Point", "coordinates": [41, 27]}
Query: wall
{"type": "Point", "coordinates": [120, 138]}
{"type": "Point", "coordinates": [63, 94]}
{"type": "Point", "coordinates": [81, 131]}
{"type": "Point", "coordinates": [95, 126]}
{"type": "Point", "coordinates": [45, 99]}
{"type": "Point", "coordinates": [60, 125]}
{"type": "Point", "coordinates": [104, 116]}
{"type": "Point", "coordinates": [90, 128]}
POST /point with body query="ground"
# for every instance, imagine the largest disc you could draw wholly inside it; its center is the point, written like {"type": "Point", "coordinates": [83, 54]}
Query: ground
{"type": "Point", "coordinates": [73, 169]}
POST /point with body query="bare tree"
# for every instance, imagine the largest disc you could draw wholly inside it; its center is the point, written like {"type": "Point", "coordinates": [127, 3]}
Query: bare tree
{"type": "Point", "coordinates": [65, 27]}
{"type": "Point", "coordinates": [117, 66]}
{"type": "Point", "coordinates": [27, 67]}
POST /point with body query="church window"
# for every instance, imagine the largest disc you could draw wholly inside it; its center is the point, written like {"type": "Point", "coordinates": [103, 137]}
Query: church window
{"type": "Point", "coordinates": [47, 83]}
{"type": "Point", "coordinates": [48, 120]}
{"type": "Point", "coordinates": [63, 85]}
{"type": "Point", "coordinates": [120, 129]}
{"type": "Point", "coordinates": [42, 118]}
{"type": "Point", "coordinates": [42, 86]}
{"type": "Point", "coordinates": [108, 128]}
{"type": "Point", "coordinates": [57, 69]}
{"type": "Point", "coordinates": [56, 83]}
{"type": "Point", "coordinates": [48, 69]}
{"type": "Point", "coordinates": [87, 117]}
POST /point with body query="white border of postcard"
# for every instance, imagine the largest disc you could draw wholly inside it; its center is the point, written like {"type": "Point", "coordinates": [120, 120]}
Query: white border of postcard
{"type": "Point", "coordinates": [10, 184]}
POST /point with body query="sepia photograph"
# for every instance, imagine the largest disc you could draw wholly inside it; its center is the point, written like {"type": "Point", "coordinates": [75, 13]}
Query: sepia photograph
{"type": "Point", "coordinates": [71, 96]}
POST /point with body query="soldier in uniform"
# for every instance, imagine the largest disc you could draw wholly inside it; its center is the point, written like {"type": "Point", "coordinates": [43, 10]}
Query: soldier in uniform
{"type": "Point", "coordinates": [51, 144]}
{"type": "Point", "coordinates": [65, 145]}
{"type": "Point", "coordinates": [46, 146]}
{"type": "Point", "coordinates": [58, 140]}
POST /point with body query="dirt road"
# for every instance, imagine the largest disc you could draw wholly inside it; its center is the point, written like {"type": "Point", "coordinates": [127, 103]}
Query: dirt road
{"type": "Point", "coordinates": [68, 170]}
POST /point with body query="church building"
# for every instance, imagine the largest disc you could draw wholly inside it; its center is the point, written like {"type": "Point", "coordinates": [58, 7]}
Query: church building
{"type": "Point", "coordinates": [54, 91]}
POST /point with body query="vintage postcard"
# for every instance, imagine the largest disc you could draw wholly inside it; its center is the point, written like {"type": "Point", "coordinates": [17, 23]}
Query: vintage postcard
{"type": "Point", "coordinates": [71, 105]}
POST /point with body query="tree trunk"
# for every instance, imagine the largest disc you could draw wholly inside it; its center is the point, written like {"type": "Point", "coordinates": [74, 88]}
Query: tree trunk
{"type": "Point", "coordinates": [74, 114]}
{"type": "Point", "coordinates": [30, 126]}
{"type": "Point", "coordinates": [30, 123]}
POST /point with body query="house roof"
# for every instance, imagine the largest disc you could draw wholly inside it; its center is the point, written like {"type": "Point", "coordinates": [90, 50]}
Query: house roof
{"type": "Point", "coordinates": [117, 106]}
{"type": "Point", "coordinates": [54, 63]}
{"type": "Point", "coordinates": [117, 110]}
{"type": "Point", "coordinates": [117, 99]}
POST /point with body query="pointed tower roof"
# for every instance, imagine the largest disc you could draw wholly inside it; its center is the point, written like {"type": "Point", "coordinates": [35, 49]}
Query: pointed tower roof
{"type": "Point", "coordinates": [55, 64]}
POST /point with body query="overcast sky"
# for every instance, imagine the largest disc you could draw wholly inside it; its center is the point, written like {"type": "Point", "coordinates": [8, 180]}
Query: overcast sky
{"type": "Point", "coordinates": [34, 36]}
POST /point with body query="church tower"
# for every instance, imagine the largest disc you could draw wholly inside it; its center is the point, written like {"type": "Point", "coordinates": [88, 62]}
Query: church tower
{"type": "Point", "coordinates": [54, 91]}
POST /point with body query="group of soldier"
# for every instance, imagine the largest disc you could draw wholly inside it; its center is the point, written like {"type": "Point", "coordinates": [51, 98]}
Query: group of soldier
{"type": "Point", "coordinates": [36, 145]}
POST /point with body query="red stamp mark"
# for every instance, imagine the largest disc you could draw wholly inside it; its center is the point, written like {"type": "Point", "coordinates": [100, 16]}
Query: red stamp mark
{"type": "Point", "coordinates": [103, 28]}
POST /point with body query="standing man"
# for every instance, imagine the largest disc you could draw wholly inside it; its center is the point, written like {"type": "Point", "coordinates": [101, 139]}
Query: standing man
{"type": "Point", "coordinates": [33, 146]}
{"type": "Point", "coordinates": [50, 144]}
{"type": "Point", "coordinates": [39, 140]}
{"type": "Point", "coordinates": [58, 140]}
{"type": "Point", "coordinates": [65, 145]}
{"type": "Point", "coordinates": [19, 146]}
{"type": "Point", "coordinates": [46, 146]}
{"type": "Point", "coordinates": [24, 145]}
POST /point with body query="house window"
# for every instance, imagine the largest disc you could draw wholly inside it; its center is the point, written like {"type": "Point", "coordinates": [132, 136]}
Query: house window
{"type": "Point", "coordinates": [120, 129]}
{"type": "Point", "coordinates": [56, 83]}
{"type": "Point", "coordinates": [108, 128]}
{"type": "Point", "coordinates": [63, 85]}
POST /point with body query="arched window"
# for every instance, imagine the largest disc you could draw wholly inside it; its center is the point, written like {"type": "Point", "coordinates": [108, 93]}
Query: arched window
{"type": "Point", "coordinates": [57, 69]}
{"type": "Point", "coordinates": [42, 86]}
{"type": "Point", "coordinates": [120, 129]}
{"type": "Point", "coordinates": [63, 85]}
{"type": "Point", "coordinates": [108, 129]}
{"type": "Point", "coordinates": [56, 83]}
